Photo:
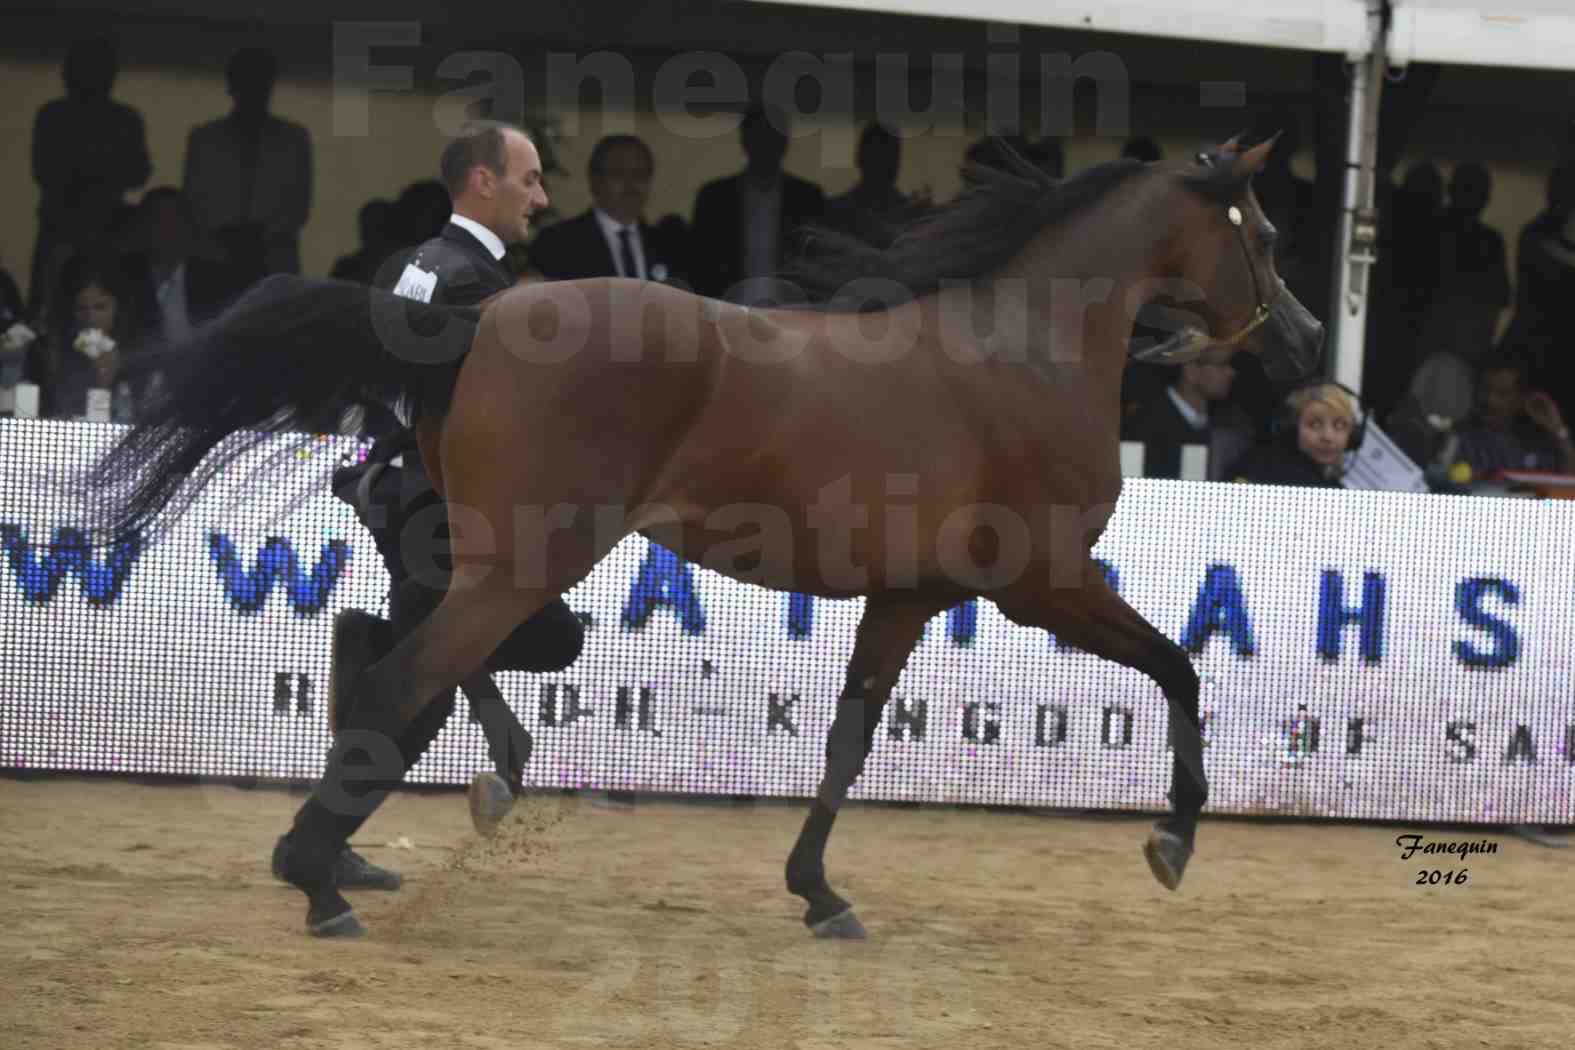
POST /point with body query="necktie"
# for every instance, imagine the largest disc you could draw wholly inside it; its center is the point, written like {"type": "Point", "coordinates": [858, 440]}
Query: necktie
{"type": "Point", "coordinates": [629, 269]}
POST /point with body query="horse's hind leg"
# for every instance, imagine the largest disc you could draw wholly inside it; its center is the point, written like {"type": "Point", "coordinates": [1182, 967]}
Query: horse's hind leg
{"type": "Point", "coordinates": [1096, 618]}
{"type": "Point", "coordinates": [886, 636]}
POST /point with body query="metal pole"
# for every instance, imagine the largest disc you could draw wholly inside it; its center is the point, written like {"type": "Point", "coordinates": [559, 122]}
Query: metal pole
{"type": "Point", "coordinates": [1357, 243]}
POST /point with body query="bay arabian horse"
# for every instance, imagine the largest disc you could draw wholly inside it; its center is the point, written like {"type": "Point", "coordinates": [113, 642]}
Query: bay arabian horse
{"type": "Point", "coordinates": [960, 438]}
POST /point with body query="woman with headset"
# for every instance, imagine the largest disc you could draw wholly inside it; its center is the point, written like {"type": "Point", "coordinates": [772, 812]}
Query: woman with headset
{"type": "Point", "coordinates": [1315, 427]}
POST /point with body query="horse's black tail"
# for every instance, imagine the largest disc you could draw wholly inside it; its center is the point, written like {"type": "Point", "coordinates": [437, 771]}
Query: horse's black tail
{"type": "Point", "coordinates": [286, 350]}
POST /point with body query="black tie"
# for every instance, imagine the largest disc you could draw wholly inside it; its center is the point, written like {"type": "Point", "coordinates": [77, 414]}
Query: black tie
{"type": "Point", "coordinates": [629, 269]}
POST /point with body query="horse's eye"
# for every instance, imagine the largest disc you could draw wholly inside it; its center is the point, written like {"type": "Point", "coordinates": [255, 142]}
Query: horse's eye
{"type": "Point", "coordinates": [1269, 238]}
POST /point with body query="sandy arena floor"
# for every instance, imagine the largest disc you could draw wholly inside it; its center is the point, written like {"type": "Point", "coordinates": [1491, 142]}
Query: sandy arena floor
{"type": "Point", "coordinates": [144, 916]}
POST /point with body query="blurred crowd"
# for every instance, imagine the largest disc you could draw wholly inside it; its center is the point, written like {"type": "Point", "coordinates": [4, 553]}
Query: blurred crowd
{"type": "Point", "coordinates": [109, 279]}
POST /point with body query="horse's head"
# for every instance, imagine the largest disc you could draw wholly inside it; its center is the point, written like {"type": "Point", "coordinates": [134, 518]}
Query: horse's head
{"type": "Point", "coordinates": [1225, 254]}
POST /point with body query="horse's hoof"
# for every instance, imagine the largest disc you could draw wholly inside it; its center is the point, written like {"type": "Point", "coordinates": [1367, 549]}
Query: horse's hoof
{"type": "Point", "coordinates": [843, 926]}
{"type": "Point", "coordinates": [345, 924]}
{"type": "Point", "coordinates": [490, 802]}
{"type": "Point", "coordinates": [1167, 857]}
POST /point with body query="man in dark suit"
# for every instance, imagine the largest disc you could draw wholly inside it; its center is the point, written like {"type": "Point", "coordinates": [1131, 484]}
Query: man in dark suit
{"type": "Point", "coordinates": [612, 238]}
{"type": "Point", "coordinates": [493, 173]}
{"type": "Point", "coordinates": [179, 289]}
{"type": "Point", "coordinates": [1184, 413]}
{"type": "Point", "coordinates": [747, 225]}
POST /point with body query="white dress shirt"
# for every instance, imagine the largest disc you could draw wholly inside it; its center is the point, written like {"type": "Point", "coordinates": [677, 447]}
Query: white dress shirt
{"type": "Point", "coordinates": [1195, 419]}
{"type": "Point", "coordinates": [491, 241]}
{"type": "Point", "coordinates": [174, 316]}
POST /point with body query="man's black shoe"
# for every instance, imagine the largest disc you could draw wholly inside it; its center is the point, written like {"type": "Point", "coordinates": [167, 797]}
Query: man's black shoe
{"type": "Point", "coordinates": [351, 871]}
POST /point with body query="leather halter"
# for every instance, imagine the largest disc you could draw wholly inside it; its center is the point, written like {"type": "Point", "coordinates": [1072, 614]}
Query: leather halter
{"type": "Point", "coordinates": [1189, 344]}
{"type": "Point", "coordinates": [1261, 314]}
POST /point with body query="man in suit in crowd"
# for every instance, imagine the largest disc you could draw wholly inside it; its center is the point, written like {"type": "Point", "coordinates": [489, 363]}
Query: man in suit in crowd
{"type": "Point", "coordinates": [493, 173]}
{"type": "Point", "coordinates": [251, 168]}
{"type": "Point", "coordinates": [746, 225]}
{"type": "Point", "coordinates": [612, 238]}
{"type": "Point", "coordinates": [179, 288]}
{"type": "Point", "coordinates": [874, 210]}
{"type": "Point", "coordinates": [88, 150]}
{"type": "Point", "coordinates": [1184, 414]}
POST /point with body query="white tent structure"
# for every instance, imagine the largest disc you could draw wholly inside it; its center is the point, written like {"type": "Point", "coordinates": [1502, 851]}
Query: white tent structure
{"type": "Point", "coordinates": [1373, 35]}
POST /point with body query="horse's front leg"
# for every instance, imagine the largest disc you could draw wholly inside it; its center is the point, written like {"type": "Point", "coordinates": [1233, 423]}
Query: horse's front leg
{"type": "Point", "coordinates": [886, 636]}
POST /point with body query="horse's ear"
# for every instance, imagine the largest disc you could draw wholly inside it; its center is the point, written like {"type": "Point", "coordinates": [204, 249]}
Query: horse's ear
{"type": "Point", "coordinates": [1248, 164]}
{"type": "Point", "coordinates": [1233, 144]}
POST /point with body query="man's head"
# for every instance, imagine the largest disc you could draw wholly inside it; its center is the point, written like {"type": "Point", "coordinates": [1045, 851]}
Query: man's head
{"type": "Point", "coordinates": [90, 68]}
{"type": "Point", "coordinates": [250, 76]}
{"type": "Point", "coordinates": [1501, 392]}
{"type": "Point", "coordinates": [493, 173]}
{"type": "Point", "coordinates": [1210, 376]}
{"type": "Point", "coordinates": [879, 157]}
{"type": "Point", "coordinates": [166, 224]}
{"type": "Point", "coordinates": [621, 170]}
{"type": "Point", "coordinates": [764, 137]}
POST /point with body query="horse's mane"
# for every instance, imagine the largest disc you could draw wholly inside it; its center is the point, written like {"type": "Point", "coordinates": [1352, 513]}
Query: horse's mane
{"type": "Point", "coordinates": [975, 234]}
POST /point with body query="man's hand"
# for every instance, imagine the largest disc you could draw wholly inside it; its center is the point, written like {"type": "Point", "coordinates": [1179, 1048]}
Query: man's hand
{"type": "Point", "coordinates": [1545, 413]}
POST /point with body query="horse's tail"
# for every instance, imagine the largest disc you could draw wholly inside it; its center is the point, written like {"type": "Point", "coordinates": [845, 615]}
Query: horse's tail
{"type": "Point", "coordinates": [286, 350]}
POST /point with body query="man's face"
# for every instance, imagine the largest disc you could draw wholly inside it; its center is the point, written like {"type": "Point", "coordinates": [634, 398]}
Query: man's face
{"type": "Point", "coordinates": [1215, 377]}
{"type": "Point", "coordinates": [518, 192]}
{"type": "Point", "coordinates": [623, 185]}
{"type": "Point", "coordinates": [170, 232]}
{"type": "Point", "coordinates": [1501, 397]}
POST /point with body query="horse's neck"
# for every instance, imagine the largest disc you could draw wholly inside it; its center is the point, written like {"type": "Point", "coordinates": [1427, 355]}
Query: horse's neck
{"type": "Point", "coordinates": [1088, 280]}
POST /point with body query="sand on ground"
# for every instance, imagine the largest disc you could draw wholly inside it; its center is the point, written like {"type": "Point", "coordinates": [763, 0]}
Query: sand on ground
{"type": "Point", "coordinates": [141, 915]}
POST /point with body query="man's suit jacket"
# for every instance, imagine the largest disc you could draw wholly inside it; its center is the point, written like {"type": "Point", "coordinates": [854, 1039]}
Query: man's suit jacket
{"type": "Point", "coordinates": [217, 174]}
{"type": "Point", "coordinates": [1163, 430]}
{"type": "Point", "coordinates": [575, 248]}
{"type": "Point", "coordinates": [717, 240]}
{"type": "Point", "coordinates": [210, 287]}
{"type": "Point", "coordinates": [454, 269]}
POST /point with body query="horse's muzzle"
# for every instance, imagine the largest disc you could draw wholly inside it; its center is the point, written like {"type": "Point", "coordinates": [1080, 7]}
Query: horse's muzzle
{"type": "Point", "coordinates": [1292, 339]}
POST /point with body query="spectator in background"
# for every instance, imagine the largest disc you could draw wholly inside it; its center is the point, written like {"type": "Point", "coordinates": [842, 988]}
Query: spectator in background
{"type": "Point", "coordinates": [612, 238]}
{"type": "Point", "coordinates": [420, 213]}
{"type": "Point", "coordinates": [1185, 414]}
{"type": "Point", "coordinates": [252, 169]}
{"type": "Point", "coordinates": [12, 309]}
{"type": "Point", "coordinates": [93, 294]}
{"type": "Point", "coordinates": [88, 150]}
{"type": "Point", "coordinates": [874, 210]}
{"type": "Point", "coordinates": [177, 288]}
{"type": "Point", "coordinates": [1473, 275]}
{"type": "Point", "coordinates": [375, 224]}
{"type": "Point", "coordinates": [1545, 287]}
{"type": "Point", "coordinates": [1513, 429]}
{"type": "Point", "coordinates": [1440, 395]}
{"type": "Point", "coordinates": [1307, 442]}
{"type": "Point", "coordinates": [747, 225]}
